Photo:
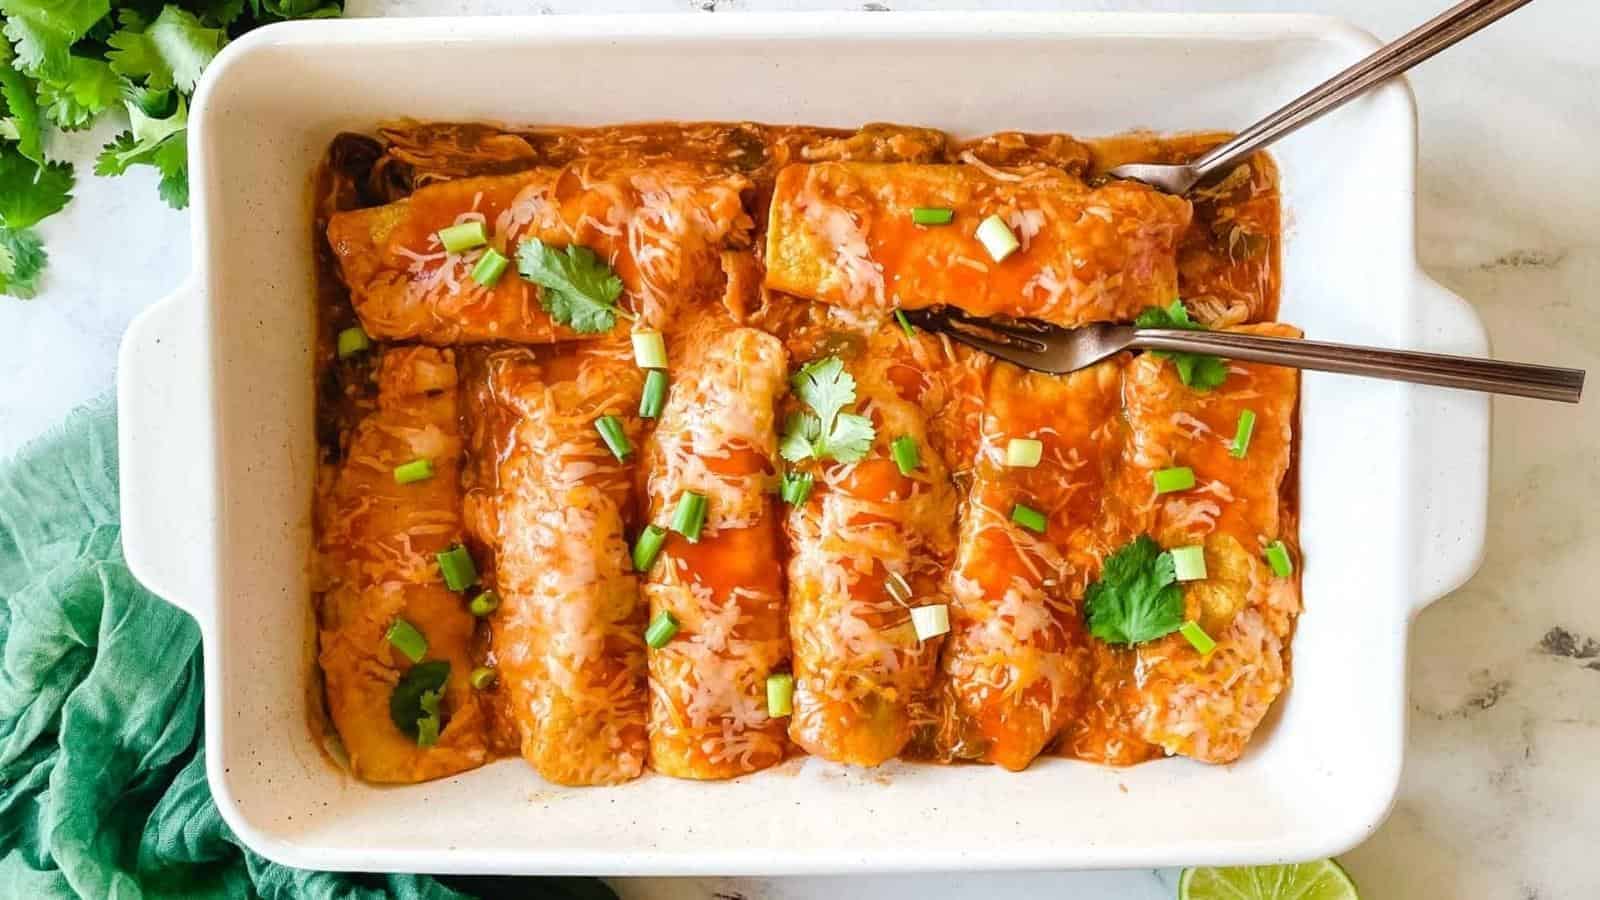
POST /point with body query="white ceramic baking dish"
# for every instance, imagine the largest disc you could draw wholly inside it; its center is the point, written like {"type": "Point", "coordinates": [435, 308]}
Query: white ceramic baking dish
{"type": "Point", "coordinates": [217, 444]}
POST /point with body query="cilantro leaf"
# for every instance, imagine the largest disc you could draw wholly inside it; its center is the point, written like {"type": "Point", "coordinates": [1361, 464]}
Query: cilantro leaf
{"type": "Point", "coordinates": [826, 430]}
{"type": "Point", "coordinates": [45, 30]}
{"type": "Point", "coordinates": [88, 88]}
{"type": "Point", "coordinates": [410, 700]}
{"type": "Point", "coordinates": [1197, 370]}
{"type": "Point", "coordinates": [158, 142]}
{"type": "Point", "coordinates": [21, 122]}
{"type": "Point", "coordinates": [578, 289]}
{"type": "Point", "coordinates": [30, 192]}
{"type": "Point", "coordinates": [1137, 597]}
{"type": "Point", "coordinates": [22, 259]}
{"type": "Point", "coordinates": [171, 52]}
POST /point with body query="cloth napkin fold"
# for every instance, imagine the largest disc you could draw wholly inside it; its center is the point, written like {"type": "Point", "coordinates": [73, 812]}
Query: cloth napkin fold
{"type": "Point", "coordinates": [102, 770]}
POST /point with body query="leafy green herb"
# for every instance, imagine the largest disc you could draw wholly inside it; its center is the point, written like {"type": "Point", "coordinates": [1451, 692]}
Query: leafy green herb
{"type": "Point", "coordinates": [579, 290]}
{"type": "Point", "coordinates": [825, 430]}
{"type": "Point", "coordinates": [1197, 370]}
{"type": "Point", "coordinates": [66, 63]}
{"type": "Point", "coordinates": [416, 695]}
{"type": "Point", "coordinates": [1137, 598]}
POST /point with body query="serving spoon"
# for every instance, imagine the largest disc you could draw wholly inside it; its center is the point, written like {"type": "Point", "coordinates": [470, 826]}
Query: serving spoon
{"type": "Point", "coordinates": [1443, 31]}
{"type": "Point", "coordinates": [1048, 348]}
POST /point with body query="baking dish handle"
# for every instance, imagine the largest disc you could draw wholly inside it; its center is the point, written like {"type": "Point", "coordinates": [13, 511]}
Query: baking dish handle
{"type": "Point", "coordinates": [164, 452]}
{"type": "Point", "coordinates": [1450, 467]}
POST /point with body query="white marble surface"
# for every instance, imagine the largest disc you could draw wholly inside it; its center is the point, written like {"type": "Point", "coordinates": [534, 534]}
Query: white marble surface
{"type": "Point", "coordinates": [1501, 795]}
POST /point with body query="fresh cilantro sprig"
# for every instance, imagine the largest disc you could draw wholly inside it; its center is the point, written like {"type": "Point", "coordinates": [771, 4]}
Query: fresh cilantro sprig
{"type": "Point", "coordinates": [578, 289]}
{"type": "Point", "coordinates": [1197, 370]}
{"type": "Point", "coordinates": [66, 63]}
{"type": "Point", "coordinates": [1137, 598]}
{"type": "Point", "coordinates": [825, 431]}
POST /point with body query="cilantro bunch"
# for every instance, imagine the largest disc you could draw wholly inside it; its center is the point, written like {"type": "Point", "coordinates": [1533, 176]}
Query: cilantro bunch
{"type": "Point", "coordinates": [65, 63]}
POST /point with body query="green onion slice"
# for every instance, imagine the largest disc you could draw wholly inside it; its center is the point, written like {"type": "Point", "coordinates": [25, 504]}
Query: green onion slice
{"type": "Point", "coordinates": [907, 457]}
{"type": "Point", "coordinates": [1178, 478]}
{"type": "Point", "coordinates": [414, 471]}
{"type": "Point", "coordinates": [649, 350]}
{"type": "Point", "coordinates": [463, 237]}
{"type": "Point", "coordinates": [780, 694]}
{"type": "Point", "coordinates": [490, 267]}
{"type": "Point", "coordinates": [898, 587]}
{"type": "Point", "coordinates": [405, 637]}
{"type": "Point", "coordinates": [482, 678]}
{"type": "Point", "coordinates": [1241, 437]}
{"type": "Point", "coordinates": [930, 621]}
{"type": "Point", "coordinates": [1197, 637]}
{"type": "Point", "coordinates": [905, 323]}
{"type": "Point", "coordinates": [457, 568]}
{"type": "Point", "coordinates": [661, 630]}
{"type": "Point", "coordinates": [484, 604]}
{"type": "Point", "coordinates": [997, 238]}
{"type": "Point", "coordinates": [795, 487]}
{"type": "Point", "coordinates": [1028, 518]}
{"type": "Point", "coordinates": [1279, 559]}
{"type": "Point", "coordinates": [932, 215]}
{"type": "Point", "coordinates": [690, 515]}
{"type": "Point", "coordinates": [654, 398]}
{"type": "Point", "coordinates": [352, 341]}
{"type": "Point", "coordinates": [648, 547]}
{"type": "Point", "coordinates": [616, 438]}
{"type": "Point", "coordinates": [1189, 562]}
{"type": "Point", "coordinates": [1024, 453]}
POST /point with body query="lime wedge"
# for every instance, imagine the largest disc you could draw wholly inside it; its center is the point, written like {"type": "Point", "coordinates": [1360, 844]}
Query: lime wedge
{"type": "Point", "coordinates": [1322, 880]}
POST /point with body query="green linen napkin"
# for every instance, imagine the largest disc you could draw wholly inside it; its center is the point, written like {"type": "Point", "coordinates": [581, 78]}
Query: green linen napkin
{"type": "Point", "coordinates": [102, 770]}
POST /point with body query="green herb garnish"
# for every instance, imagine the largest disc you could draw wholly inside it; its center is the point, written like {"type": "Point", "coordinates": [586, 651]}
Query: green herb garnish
{"type": "Point", "coordinates": [825, 431]}
{"type": "Point", "coordinates": [1137, 598]}
{"type": "Point", "coordinates": [416, 695]}
{"type": "Point", "coordinates": [1197, 370]}
{"type": "Point", "coordinates": [578, 289]}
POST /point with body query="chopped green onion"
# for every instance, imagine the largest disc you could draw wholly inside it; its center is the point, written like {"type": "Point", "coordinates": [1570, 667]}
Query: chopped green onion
{"type": "Point", "coordinates": [661, 630]}
{"type": "Point", "coordinates": [930, 621]}
{"type": "Point", "coordinates": [1028, 518]}
{"type": "Point", "coordinates": [905, 323]}
{"type": "Point", "coordinates": [1241, 438]}
{"type": "Point", "coordinates": [780, 694]}
{"type": "Point", "coordinates": [997, 238]}
{"type": "Point", "coordinates": [898, 587]}
{"type": "Point", "coordinates": [649, 350]}
{"type": "Point", "coordinates": [611, 431]}
{"type": "Point", "coordinates": [490, 267]}
{"type": "Point", "coordinates": [1279, 559]}
{"type": "Point", "coordinates": [463, 237]}
{"type": "Point", "coordinates": [353, 341]}
{"type": "Point", "coordinates": [932, 215]}
{"type": "Point", "coordinates": [654, 398]}
{"type": "Point", "coordinates": [416, 470]}
{"type": "Point", "coordinates": [1197, 637]}
{"type": "Point", "coordinates": [1179, 478]}
{"type": "Point", "coordinates": [648, 547]}
{"type": "Point", "coordinates": [405, 637]}
{"type": "Point", "coordinates": [1189, 562]}
{"type": "Point", "coordinates": [795, 487]}
{"type": "Point", "coordinates": [457, 568]}
{"type": "Point", "coordinates": [690, 515]}
{"type": "Point", "coordinates": [427, 731]}
{"type": "Point", "coordinates": [1024, 453]}
{"type": "Point", "coordinates": [484, 604]}
{"type": "Point", "coordinates": [906, 455]}
{"type": "Point", "coordinates": [482, 678]}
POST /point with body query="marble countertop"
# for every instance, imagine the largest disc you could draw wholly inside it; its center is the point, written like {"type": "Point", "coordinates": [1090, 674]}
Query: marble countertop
{"type": "Point", "coordinates": [1501, 793]}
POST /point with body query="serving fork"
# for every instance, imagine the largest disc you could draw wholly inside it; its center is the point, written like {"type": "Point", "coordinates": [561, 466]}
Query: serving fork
{"type": "Point", "coordinates": [1049, 348]}
{"type": "Point", "coordinates": [1439, 33]}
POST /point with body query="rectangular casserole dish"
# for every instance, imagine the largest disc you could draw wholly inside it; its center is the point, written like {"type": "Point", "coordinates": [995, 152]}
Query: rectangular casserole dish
{"type": "Point", "coordinates": [217, 445]}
